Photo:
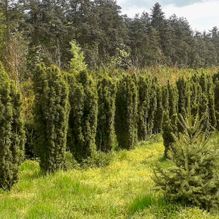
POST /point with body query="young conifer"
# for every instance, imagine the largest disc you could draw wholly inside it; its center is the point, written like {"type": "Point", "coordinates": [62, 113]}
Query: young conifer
{"type": "Point", "coordinates": [193, 178]}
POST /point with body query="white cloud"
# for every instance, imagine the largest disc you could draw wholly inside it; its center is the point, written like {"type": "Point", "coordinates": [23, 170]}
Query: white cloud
{"type": "Point", "coordinates": [201, 16]}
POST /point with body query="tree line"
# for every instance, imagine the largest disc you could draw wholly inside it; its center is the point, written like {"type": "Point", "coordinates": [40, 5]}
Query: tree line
{"type": "Point", "coordinates": [33, 31]}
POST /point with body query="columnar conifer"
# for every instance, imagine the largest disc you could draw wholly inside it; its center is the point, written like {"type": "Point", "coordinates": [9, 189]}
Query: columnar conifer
{"type": "Point", "coordinates": [105, 138]}
{"type": "Point", "coordinates": [143, 106]}
{"type": "Point", "coordinates": [152, 107]}
{"type": "Point", "coordinates": [83, 116]}
{"type": "Point", "coordinates": [11, 131]}
{"type": "Point", "coordinates": [126, 112]}
{"type": "Point", "coordinates": [158, 120]}
{"type": "Point", "coordinates": [52, 109]}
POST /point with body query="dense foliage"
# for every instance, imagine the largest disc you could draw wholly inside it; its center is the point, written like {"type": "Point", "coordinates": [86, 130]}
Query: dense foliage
{"type": "Point", "coordinates": [105, 138]}
{"type": "Point", "coordinates": [126, 112]}
{"type": "Point", "coordinates": [193, 178]}
{"type": "Point", "coordinates": [51, 118]}
{"type": "Point", "coordinates": [83, 116]}
{"type": "Point", "coordinates": [12, 136]}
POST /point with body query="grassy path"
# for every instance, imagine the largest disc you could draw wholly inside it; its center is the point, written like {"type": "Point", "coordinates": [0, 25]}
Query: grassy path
{"type": "Point", "coordinates": [124, 189]}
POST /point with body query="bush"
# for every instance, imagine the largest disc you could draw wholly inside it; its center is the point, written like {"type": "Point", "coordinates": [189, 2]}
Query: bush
{"type": "Point", "coordinates": [52, 110]}
{"type": "Point", "coordinates": [193, 179]}
{"type": "Point", "coordinates": [105, 138]}
{"type": "Point", "coordinates": [126, 112]}
{"type": "Point", "coordinates": [144, 89]}
{"type": "Point", "coordinates": [12, 135]}
{"type": "Point", "coordinates": [83, 116]}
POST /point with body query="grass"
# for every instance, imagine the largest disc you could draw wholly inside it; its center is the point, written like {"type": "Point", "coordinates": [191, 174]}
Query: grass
{"type": "Point", "coordinates": [123, 189]}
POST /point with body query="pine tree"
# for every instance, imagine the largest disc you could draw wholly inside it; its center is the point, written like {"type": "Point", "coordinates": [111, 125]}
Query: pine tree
{"type": "Point", "coordinates": [126, 112]}
{"type": "Point", "coordinates": [12, 136]}
{"type": "Point", "coordinates": [52, 110]}
{"type": "Point", "coordinates": [83, 116]}
{"type": "Point", "coordinates": [105, 138]}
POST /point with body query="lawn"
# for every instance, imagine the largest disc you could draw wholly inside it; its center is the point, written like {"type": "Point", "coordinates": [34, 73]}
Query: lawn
{"type": "Point", "coordinates": [123, 189]}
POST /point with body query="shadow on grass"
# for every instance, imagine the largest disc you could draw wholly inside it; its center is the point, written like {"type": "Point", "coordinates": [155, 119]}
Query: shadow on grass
{"type": "Point", "coordinates": [158, 206]}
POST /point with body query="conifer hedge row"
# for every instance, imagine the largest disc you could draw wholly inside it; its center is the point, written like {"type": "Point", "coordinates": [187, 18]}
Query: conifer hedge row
{"type": "Point", "coordinates": [83, 113]}
{"type": "Point", "coordinates": [104, 112]}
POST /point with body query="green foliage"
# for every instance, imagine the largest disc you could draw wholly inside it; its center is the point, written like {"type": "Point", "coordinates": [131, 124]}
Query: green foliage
{"type": "Point", "coordinates": [193, 178]}
{"type": "Point", "coordinates": [159, 114]}
{"type": "Point", "coordinates": [83, 116]}
{"type": "Point", "coordinates": [216, 92]}
{"type": "Point", "coordinates": [77, 63]}
{"type": "Point", "coordinates": [12, 136]}
{"type": "Point", "coordinates": [99, 159]}
{"type": "Point", "coordinates": [52, 110]}
{"type": "Point", "coordinates": [126, 112]}
{"type": "Point", "coordinates": [152, 107]}
{"type": "Point", "coordinates": [143, 106]}
{"type": "Point", "coordinates": [169, 129]}
{"type": "Point", "coordinates": [105, 138]}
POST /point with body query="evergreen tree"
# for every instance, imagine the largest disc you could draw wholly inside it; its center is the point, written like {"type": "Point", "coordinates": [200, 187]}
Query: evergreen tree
{"type": "Point", "coordinates": [12, 136]}
{"type": "Point", "coordinates": [83, 116]}
{"type": "Point", "coordinates": [152, 107]}
{"type": "Point", "coordinates": [126, 112]}
{"type": "Point", "coordinates": [105, 138]}
{"type": "Point", "coordinates": [158, 120]}
{"type": "Point", "coordinates": [193, 177]}
{"type": "Point", "coordinates": [143, 106]}
{"type": "Point", "coordinates": [52, 110]}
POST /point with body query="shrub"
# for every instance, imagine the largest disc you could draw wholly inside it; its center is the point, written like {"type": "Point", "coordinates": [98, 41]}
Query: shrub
{"type": "Point", "coordinates": [105, 138]}
{"type": "Point", "coordinates": [143, 107]}
{"type": "Point", "coordinates": [159, 114]}
{"type": "Point", "coordinates": [52, 109]}
{"type": "Point", "coordinates": [83, 116]}
{"type": "Point", "coordinates": [126, 112]}
{"type": "Point", "coordinates": [12, 136]}
{"type": "Point", "coordinates": [152, 107]}
{"type": "Point", "coordinates": [193, 179]}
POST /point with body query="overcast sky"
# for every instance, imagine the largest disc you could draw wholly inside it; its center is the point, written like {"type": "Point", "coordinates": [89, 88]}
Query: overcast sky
{"type": "Point", "coordinates": [201, 14]}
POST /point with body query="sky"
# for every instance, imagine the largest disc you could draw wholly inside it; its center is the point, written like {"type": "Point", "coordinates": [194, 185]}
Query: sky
{"type": "Point", "coordinates": [201, 14]}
